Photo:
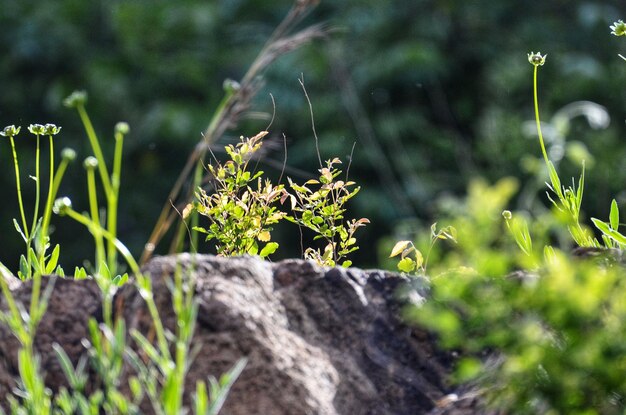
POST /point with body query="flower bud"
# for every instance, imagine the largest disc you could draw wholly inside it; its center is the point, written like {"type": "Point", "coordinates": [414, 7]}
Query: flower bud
{"type": "Point", "coordinates": [10, 131]}
{"type": "Point", "coordinates": [618, 28]}
{"type": "Point", "coordinates": [61, 206]}
{"type": "Point", "coordinates": [76, 98]}
{"type": "Point", "coordinates": [51, 129]}
{"type": "Point", "coordinates": [37, 129]}
{"type": "Point", "coordinates": [122, 128]}
{"type": "Point", "coordinates": [537, 59]}
{"type": "Point", "coordinates": [90, 163]}
{"type": "Point", "coordinates": [68, 154]}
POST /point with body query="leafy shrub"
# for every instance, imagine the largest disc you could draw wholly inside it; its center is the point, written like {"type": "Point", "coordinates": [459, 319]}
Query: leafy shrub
{"type": "Point", "coordinates": [540, 330]}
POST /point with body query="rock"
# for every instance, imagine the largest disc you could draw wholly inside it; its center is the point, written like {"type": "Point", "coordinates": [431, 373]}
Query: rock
{"type": "Point", "coordinates": [317, 340]}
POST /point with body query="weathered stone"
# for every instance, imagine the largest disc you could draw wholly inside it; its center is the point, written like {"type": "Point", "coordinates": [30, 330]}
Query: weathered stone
{"type": "Point", "coordinates": [317, 340]}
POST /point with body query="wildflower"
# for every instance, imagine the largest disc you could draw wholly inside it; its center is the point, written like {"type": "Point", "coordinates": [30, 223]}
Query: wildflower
{"type": "Point", "coordinates": [68, 154]}
{"type": "Point", "coordinates": [62, 205]}
{"type": "Point", "coordinates": [51, 129]}
{"type": "Point", "coordinates": [122, 128]}
{"type": "Point", "coordinates": [10, 131]}
{"type": "Point", "coordinates": [90, 163]}
{"type": "Point", "coordinates": [618, 28]}
{"type": "Point", "coordinates": [37, 129]}
{"type": "Point", "coordinates": [77, 98]}
{"type": "Point", "coordinates": [537, 59]}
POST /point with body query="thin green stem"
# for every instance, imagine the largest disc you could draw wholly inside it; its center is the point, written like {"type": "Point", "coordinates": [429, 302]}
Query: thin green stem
{"type": "Point", "coordinates": [97, 151]}
{"type": "Point", "coordinates": [536, 101]}
{"type": "Point", "coordinates": [37, 189]}
{"type": "Point", "coordinates": [95, 217]}
{"type": "Point", "coordinates": [113, 201]}
{"type": "Point", "coordinates": [19, 190]}
{"type": "Point", "coordinates": [121, 248]}
{"type": "Point", "coordinates": [51, 195]}
{"type": "Point", "coordinates": [34, 301]}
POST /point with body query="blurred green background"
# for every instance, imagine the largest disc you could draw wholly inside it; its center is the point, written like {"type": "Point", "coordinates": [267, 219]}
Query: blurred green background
{"type": "Point", "coordinates": [431, 93]}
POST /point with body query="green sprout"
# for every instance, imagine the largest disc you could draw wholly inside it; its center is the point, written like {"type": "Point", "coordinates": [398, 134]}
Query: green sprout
{"type": "Point", "coordinates": [568, 200]}
{"type": "Point", "coordinates": [110, 182]}
{"type": "Point", "coordinates": [411, 258]}
{"type": "Point", "coordinates": [321, 208]}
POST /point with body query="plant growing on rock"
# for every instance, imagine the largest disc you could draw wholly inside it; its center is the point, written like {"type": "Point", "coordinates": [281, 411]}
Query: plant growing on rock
{"type": "Point", "coordinates": [241, 215]}
{"type": "Point", "coordinates": [321, 209]}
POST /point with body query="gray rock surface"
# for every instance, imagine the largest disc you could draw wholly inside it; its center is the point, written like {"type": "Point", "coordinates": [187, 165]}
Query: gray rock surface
{"type": "Point", "coordinates": [317, 340]}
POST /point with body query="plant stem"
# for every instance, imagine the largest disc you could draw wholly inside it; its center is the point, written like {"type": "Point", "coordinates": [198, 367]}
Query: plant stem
{"type": "Point", "coordinates": [97, 151]}
{"type": "Point", "coordinates": [96, 230]}
{"type": "Point", "coordinates": [37, 191]}
{"type": "Point", "coordinates": [48, 209]}
{"type": "Point", "coordinates": [536, 101]}
{"type": "Point", "coordinates": [121, 248]}
{"type": "Point", "coordinates": [113, 201]}
{"type": "Point", "coordinates": [19, 190]}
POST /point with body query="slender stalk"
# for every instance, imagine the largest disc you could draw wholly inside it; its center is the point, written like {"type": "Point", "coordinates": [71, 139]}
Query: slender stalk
{"type": "Point", "coordinates": [97, 151]}
{"type": "Point", "coordinates": [51, 194]}
{"type": "Point", "coordinates": [19, 189]}
{"type": "Point", "coordinates": [113, 201]}
{"type": "Point", "coordinates": [536, 101]}
{"type": "Point", "coordinates": [37, 189]}
{"type": "Point", "coordinates": [96, 229]}
{"type": "Point", "coordinates": [91, 225]}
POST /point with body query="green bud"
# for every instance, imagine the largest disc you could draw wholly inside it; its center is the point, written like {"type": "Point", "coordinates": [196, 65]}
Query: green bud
{"type": "Point", "coordinates": [61, 206]}
{"type": "Point", "coordinates": [51, 129]}
{"type": "Point", "coordinates": [537, 59]}
{"type": "Point", "coordinates": [122, 128]}
{"type": "Point", "coordinates": [10, 131]}
{"type": "Point", "coordinates": [618, 28]}
{"type": "Point", "coordinates": [76, 98]}
{"type": "Point", "coordinates": [90, 163]}
{"type": "Point", "coordinates": [231, 86]}
{"type": "Point", "coordinates": [68, 154]}
{"type": "Point", "coordinates": [37, 129]}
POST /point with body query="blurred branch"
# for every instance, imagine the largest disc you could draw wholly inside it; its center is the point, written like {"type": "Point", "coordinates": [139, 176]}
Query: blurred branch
{"type": "Point", "coordinates": [282, 41]}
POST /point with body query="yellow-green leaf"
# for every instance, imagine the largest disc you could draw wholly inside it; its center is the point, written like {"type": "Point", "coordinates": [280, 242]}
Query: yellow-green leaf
{"type": "Point", "coordinates": [398, 248]}
{"type": "Point", "coordinates": [406, 265]}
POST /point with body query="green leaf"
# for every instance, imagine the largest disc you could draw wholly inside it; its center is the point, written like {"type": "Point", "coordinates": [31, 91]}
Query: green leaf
{"type": "Point", "coordinates": [54, 259]}
{"type": "Point", "coordinates": [66, 365]}
{"type": "Point", "coordinates": [406, 265]}
{"type": "Point", "coordinates": [556, 181]}
{"type": "Point", "coordinates": [19, 230]}
{"type": "Point", "coordinates": [24, 272]}
{"type": "Point", "coordinates": [201, 398]}
{"type": "Point", "coordinates": [32, 256]}
{"type": "Point", "coordinates": [268, 249]}
{"type": "Point", "coordinates": [614, 215]}
{"type": "Point", "coordinates": [613, 234]}
{"type": "Point", "coordinates": [80, 273]}
{"type": "Point", "coordinates": [398, 248]}
{"type": "Point", "coordinates": [147, 347]}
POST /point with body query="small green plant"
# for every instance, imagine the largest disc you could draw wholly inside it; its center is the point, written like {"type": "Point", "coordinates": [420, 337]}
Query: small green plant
{"type": "Point", "coordinates": [321, 209]}
{"type": "Point", "coordinates": [568, 199]}
{"type": "Point", "coordinates": [110, 183]}
{"type": "Point", "coordinates": [411, 258]}
{"type": "Point", "coordinates": [241, 216]}
{"type": "Point", "coordinates": [553, 325]}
